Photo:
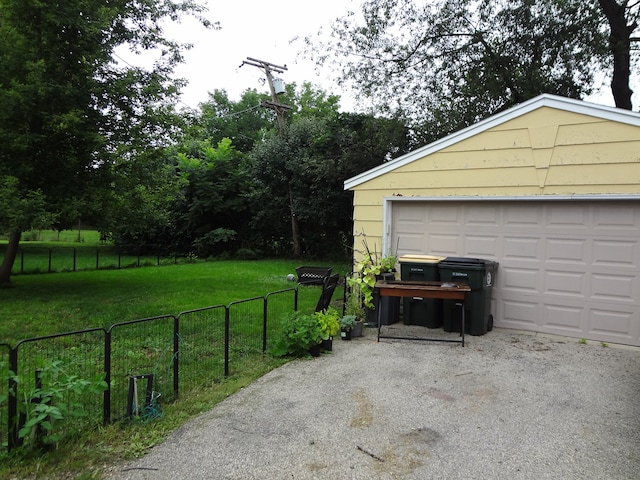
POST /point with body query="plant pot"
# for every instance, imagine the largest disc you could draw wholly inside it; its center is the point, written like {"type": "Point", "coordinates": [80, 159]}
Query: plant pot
{"type": "Point", "coordinates": [345, 334]}
{"type": "Point", "coordinates": [327, 345]}
{"type": "Point", "coordinates": [315, 350]}
{"type": "Point", "coordinates": [356, 331]}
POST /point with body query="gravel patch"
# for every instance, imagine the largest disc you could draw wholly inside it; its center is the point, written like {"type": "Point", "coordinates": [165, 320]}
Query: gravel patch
{"type": "Point", "coordinates": [509, 405]}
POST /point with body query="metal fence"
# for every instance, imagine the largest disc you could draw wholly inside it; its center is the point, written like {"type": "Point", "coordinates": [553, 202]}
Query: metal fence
{"type": "Point", "coordinates": [35, 259]}
{"type": "Point", "coordinates": [158, 356]}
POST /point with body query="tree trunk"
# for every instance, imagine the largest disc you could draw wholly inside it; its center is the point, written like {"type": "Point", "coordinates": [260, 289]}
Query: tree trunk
{"type": "Point", "coordinates": [295, 227]}
{"type": "Point", "coordinates": [9, 258]}
{"type": "Point", "coordinates": [620, 48]}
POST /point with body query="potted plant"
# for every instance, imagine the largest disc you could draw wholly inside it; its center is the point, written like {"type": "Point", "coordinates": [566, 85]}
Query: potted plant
{"type": "Point", "coordinates": [346, 325]}
{"type": "Point", "coordinates": [300, 336]}
{"type": "Point", "coordinates": [369, 269]}
{"type": "Point", "coordinates": [355, 307]}
{"type": "Point", "coordinates": [329, 322]}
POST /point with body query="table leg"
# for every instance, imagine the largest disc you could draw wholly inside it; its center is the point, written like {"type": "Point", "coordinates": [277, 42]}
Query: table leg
{"type": "Point", "coordinates": [379, 315]}
{"type": "Point", "coordinates": [463, 326]}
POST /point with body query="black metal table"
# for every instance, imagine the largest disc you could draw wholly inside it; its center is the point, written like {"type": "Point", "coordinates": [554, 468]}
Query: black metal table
{"type": "Point", "coordinates": [443, 290]}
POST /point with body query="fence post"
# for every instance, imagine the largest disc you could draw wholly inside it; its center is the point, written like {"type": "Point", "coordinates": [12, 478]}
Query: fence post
{"type": "Point", "coordinates": [106, 402]}
{"type": "Point", "coordinates": [265, 311]}
{"type": "Point", "coordinates": [13, 420]}
{"type": "Point", "coordinates": [74, 259]}
{"type": "Point", "coordinates": [98, 258]}
{"type": "Point", "coordinates": [21, 261]}
{"type": "Point", "coordinates": [50, 260]}
{"type": "Point", "coordinates": [176, 355]}
{"type": "Point", "coordinates": [226, 341]}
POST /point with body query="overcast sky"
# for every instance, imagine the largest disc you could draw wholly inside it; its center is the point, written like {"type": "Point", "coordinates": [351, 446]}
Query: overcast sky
{"type": "Point", "coordinates": [264, 30]}
{"type": "Point", "coordinates": [252, 28]}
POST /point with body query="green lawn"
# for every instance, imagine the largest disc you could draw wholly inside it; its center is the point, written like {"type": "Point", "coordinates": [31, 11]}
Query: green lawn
{"type": "Point", "coordinates": [47, 304]}
{"type": "Point", "coordinates": [53, 303]}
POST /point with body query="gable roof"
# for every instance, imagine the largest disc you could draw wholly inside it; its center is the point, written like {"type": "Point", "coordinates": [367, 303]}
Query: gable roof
{"type": "Point", "coordinates": [544, 100]}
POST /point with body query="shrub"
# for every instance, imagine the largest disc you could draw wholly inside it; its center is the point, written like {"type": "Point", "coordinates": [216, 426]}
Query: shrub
{"type": "Point", "coordinates": [300, 333]}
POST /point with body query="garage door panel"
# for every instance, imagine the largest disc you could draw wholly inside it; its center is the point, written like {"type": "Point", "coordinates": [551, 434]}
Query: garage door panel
{"type": "Point", "coordinates": [519, 280]}
{"type": "Point", "coordinates": [609, 220]}
{"type": "Point", "coordinates": [411, 244]}
{"type": "Point", "coordinates": [449, 214]}
{"type": "Point", "coordinates": [615, 288]}
{"type": "Point", "coordinates": [565, 284]}
{"type": "Point", "coordinates": [565, 267]}
{"type": "Point", "coordinates": [446, 245]}
{"type": "Point", "coordinates": [519, 313]}
{"type": "Point", "coordinates": [526, 218]}
{"type": "Point", "coordinates": [522, 248]}
{"type": "Point", "coordinates": [614, 324]}
{"type": "Point", "coordinates": [483, 217]}
{"type": "Point", "coordinates": [616, 253]}
{"type": "Point", "coordinates": [566, 250]}
{"type": "Point", "coordinates": [481, 246]}
{"type": "Point", "coordinates": [567, 219]}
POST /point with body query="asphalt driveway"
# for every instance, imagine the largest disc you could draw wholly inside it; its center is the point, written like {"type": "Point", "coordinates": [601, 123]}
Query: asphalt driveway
{"type": "Point", "coordinates": [509, 405]}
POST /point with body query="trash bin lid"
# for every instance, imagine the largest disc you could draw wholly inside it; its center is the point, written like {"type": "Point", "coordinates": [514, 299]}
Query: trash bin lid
{"type": "Point", "coordinates": [465, 262]}
{"type": "Point", "coordinates": [415, 258]}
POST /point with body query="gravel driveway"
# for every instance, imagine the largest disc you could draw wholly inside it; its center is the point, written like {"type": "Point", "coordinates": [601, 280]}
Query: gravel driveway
{"type": "Point", "coordinates": [509, 405]}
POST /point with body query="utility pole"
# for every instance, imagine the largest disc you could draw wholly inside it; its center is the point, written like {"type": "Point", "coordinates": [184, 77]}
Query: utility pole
{"type": "Point", "coordinates": [279, 108]}
{"type": "Point", "coordinates": [274, 104]}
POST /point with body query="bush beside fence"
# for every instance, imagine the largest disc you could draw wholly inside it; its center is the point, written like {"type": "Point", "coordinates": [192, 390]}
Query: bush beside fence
{"type": "Point", "coordinates": [182, 353]}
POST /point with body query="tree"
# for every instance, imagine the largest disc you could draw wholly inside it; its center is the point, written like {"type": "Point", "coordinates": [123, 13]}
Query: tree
{"type": "Point", "coordinates": [449, 63]}
{"type": "Point", "coordinates": [301, 175]}
{"type": "Point", "coordinates": [623, 21]}
{"type": "Point", "coordinates": [243, 122]}
{"type": "Point", "coordinates": [213, 215]}
{"type": "Point", "coordinates": [68, 109]}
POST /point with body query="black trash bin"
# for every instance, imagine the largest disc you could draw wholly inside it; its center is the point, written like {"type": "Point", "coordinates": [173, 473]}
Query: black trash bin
{"type": "Point", "coordinates": [426, 312]}
{"type": "Point", "coordinates": [480, 275]}
{"type": "Point", "coordinates": [389, 307]}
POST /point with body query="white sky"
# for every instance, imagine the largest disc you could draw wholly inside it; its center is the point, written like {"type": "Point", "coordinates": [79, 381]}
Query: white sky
{"type": "Point", "coordinates": [252, 28]}
{"type": "Point", "coordinates": [265, 30]}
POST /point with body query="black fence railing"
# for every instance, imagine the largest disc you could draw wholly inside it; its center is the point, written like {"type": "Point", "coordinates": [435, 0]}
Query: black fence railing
{"type": "Point", "coordinates": [38, 259]}
{"type": "Point", "coordinates": [165, 354]}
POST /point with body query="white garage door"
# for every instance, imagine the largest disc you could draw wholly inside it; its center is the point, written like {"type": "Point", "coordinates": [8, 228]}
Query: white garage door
{"type": "Point", "coordinates": [566, 267]}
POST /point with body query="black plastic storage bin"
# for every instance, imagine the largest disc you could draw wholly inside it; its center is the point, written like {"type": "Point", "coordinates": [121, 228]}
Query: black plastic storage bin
{"type": "Point", "coordinates": [389, 307]}
{"type": "Point", "coordinates": [480, 275]}
{"type": "Point", "coordinates": [426, 312]}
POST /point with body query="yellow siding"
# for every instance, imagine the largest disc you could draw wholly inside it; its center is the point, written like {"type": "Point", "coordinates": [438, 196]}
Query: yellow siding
{"type": "Point", "coordinates": [543, 152]}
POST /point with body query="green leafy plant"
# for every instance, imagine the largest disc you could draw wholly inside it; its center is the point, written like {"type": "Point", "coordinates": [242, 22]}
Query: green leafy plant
{"type": "Point", "coordinates": [300, 333]}
{"type": "Point", "coordinates": [347, 323]}
{"type": "Point", "coordinates": [329, 321]}
{"type": "Point", "coordinates": [368, 269]}
{"type": "Point", "coordinates": [55, 404]}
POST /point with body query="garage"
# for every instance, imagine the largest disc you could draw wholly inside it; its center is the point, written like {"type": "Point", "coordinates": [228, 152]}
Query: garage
{"type": "Point", "coordinates": [568, 267]}
{"type": "Point", "coordinates": [550, 189]}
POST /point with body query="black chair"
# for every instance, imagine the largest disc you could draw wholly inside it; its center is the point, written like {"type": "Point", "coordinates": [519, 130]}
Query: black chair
{"type": "Point", "coordinates": [328, 287]}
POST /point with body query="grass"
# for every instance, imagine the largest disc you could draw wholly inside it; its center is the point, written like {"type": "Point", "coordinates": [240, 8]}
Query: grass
{"type": "Point", "coordinates": [54, 303]}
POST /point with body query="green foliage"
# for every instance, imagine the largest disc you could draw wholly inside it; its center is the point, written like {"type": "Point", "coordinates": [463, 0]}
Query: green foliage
{"type": "Point", "coordinates": [300, 333]}
{"type": "Point", "coordinates": [329, 321]}
{"type": "Point", "coordinates": [369, 268]}
{"type": "Point", "coordinates": [70, 113]}
{"type": "Point", "coordinates": [55, 405]}
{"type": "Point", "coordinates": [447, 64]}
{"type": "Point", "coordinates": [347, 323]}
